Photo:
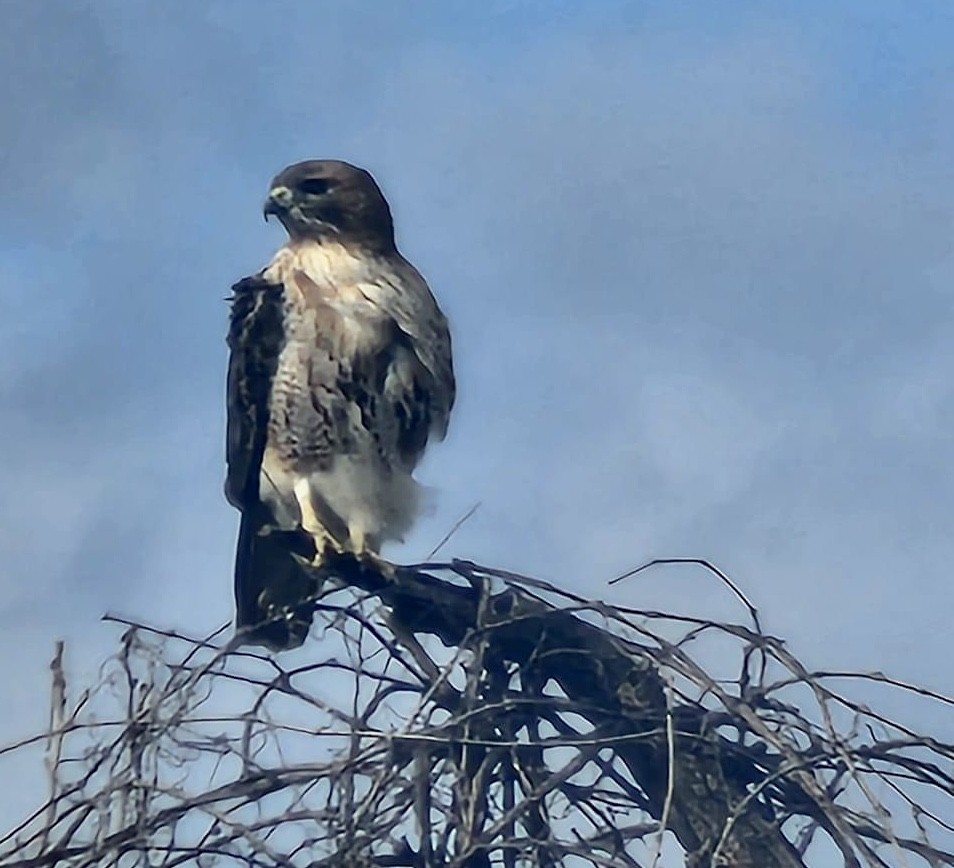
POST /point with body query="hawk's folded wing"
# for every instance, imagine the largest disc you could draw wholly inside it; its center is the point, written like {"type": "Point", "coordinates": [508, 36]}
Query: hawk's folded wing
{"type": "Point", "coordinates": [255, 339]}
{"type": "Point", "coordinates": [270, 586]}
{"type": "Point", "coordinates": [419, 319]}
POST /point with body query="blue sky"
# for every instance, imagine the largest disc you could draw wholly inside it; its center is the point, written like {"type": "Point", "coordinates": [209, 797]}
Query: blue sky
{"type": "Point", "coordinates": [697, 258]}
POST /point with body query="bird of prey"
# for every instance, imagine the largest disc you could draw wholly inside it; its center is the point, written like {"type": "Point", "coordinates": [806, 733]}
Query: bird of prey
{"type": "Point", "coordinates": [339, 374]}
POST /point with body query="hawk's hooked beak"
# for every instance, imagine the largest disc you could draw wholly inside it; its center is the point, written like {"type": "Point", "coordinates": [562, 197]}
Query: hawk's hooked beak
{"type": "Point", "coordinates": [278, 202]}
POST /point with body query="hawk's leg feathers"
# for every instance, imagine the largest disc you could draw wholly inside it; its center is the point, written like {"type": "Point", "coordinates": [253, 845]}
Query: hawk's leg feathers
{"type": "Point", "coordinates": [323, 539]}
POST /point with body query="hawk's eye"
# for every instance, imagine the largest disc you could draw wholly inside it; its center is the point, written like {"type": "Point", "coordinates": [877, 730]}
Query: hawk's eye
{"type": "Point", "coordinates": [315, 186]}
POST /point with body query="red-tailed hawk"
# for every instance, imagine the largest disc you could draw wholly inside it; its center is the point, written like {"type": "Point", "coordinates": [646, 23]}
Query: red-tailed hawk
{"type": "Point", "coordinates": [339, 374]}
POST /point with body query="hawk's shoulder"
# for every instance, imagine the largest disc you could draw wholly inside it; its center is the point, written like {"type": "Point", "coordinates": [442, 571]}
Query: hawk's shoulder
{"type": "Point", "coordinates": [255, 304]}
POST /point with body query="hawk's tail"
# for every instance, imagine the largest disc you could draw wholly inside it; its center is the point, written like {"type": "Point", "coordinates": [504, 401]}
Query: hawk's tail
{"type": "Point", "coordinates": [272, 589]}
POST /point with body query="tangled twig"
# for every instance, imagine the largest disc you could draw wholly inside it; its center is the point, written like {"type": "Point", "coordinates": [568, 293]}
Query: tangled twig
{"type": "Point", "coordinates": [458, 715]}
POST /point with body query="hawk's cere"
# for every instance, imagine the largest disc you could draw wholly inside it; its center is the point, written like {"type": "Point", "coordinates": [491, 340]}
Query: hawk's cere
{"type": "Point", "coordinates": [339, 374]}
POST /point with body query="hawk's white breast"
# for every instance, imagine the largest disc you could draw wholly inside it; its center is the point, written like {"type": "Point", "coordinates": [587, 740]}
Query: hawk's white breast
{"type": "Point", "coordinates": [329, 323]}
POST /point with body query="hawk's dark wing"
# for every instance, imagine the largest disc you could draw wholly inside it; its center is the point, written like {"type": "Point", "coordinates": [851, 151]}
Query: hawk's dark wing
{"type": "Point", "coordinates": [270, 586]}
{"type": "Point", "coordinates": [256, 336]}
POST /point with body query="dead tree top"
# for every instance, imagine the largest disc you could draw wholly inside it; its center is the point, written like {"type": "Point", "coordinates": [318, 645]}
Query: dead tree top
{"type": "Point", "coordinates": [453, 714]}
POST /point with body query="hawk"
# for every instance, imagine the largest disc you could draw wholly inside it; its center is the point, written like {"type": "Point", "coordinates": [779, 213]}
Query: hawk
{"type": "Point", "coordinates": [339, 374]}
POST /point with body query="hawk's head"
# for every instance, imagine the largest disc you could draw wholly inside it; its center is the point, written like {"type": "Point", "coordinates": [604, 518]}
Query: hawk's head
{"type": "Point", "coordinates": [324, 199]}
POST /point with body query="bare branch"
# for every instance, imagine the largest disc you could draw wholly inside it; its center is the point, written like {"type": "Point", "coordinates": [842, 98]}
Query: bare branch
{"type": "Point", "coordinates": [457, 715]}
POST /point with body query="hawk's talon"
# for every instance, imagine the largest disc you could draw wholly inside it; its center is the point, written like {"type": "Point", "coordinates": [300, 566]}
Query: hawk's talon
{"type": "Point", "coordinates": [370, 560]}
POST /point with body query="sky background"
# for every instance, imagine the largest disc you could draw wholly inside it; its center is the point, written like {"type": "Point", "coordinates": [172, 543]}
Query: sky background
{"type": "Point", "coordinates": [698, 259]}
